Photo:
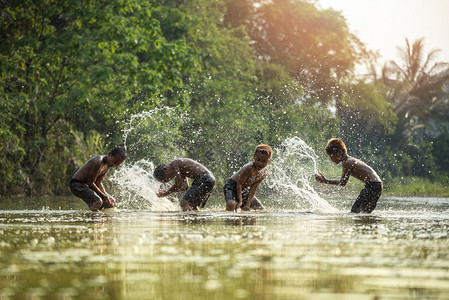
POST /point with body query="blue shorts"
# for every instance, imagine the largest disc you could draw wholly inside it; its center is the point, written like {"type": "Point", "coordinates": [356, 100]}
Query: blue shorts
{"type": "Point", "coordinates": [230, 192]}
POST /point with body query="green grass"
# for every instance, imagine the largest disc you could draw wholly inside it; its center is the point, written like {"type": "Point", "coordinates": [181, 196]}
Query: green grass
{"type": "Point", "coordinates": [406, 186]}
{"type": "Point", "coordinates": [415, 186]}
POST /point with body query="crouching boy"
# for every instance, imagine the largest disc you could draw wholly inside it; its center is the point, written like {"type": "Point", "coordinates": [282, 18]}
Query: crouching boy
{"type": "Point", "coordinates": [180, 169]}
{"type": "Point", "coordinates": [240, 189]}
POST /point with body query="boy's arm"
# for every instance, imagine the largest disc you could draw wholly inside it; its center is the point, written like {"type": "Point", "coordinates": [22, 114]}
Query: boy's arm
{"type": "Point", "coordinates": [181, 184]}
{"type": "Point", "coordinates": [252, 192]}
{"type": "Point", "coordinates": [99, 183]}
{"type": "Point", "coordinates": [342, 181]}
{"type": "Point", "coordinates": [239, 195]}
{"type": "Point", "coordinates": [93, 181]}
{"type": "Point", "coordinates": [241, 177]}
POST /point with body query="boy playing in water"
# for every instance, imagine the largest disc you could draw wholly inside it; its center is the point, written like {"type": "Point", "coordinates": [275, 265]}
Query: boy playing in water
{"type": "Point", "coordinates": [180, 169]}
{"type": "Point", "coordinates": [240, 189]}
{"type": "Point", "coordinates": [86, 183]}
{"type": "Point", "coordinates": [367, 199]}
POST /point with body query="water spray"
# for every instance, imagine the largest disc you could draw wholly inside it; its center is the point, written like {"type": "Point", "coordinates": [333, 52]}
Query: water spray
{"type": "Point", "coordinates": [290, 177]}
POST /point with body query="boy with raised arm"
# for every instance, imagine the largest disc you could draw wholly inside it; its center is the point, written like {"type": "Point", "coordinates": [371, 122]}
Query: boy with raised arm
{"type": "Point", "coordinates": [86, 183]}
{"type": "Point", "coordinates": [180, 169]}
{"type": "Point", "coordinates": [240, 189]}
{"type": "Point", "coordinates": [367, 199]}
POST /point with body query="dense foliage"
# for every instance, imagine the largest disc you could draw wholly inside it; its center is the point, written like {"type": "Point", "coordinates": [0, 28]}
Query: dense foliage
{"type": "Point", "coordinates": [206, 79]}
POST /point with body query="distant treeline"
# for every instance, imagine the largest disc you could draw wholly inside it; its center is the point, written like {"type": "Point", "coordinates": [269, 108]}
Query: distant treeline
{"type": "Point", "coordinates": [215, 78]}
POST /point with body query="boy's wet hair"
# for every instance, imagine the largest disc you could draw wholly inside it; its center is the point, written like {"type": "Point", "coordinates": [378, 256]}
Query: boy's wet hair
{"type": "Point", "coordinates": [119, 151]}
{"type": "Point", "coordinates": [265, 149]}
{"type": "Point", "coordinates": [158, 173]}
{"type": "Point", "coordinates": [335, 145]}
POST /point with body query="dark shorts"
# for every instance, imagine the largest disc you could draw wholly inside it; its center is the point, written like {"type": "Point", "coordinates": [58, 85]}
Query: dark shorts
{"type": "Point", "coordinates": [83, 191]}
{"type": "Point", "coordinates": [230, 192]}
{"type": "Point", "coordinates": [200, 190]}
{"type": "Point", "coordinates": [367, 200]}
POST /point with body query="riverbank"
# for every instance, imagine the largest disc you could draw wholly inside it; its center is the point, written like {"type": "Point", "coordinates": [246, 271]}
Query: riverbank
{"type": "Point", "coordinates": [396, 187]}
{"type": "Point", "coordinates": [418, 187]}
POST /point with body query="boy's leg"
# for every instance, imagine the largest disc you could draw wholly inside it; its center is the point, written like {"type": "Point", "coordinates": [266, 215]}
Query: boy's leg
{"type": "Point", "coordinates": [230, 205]}
{"type": "Point", "coordinates": [206, 187]}
{"type": "Point", "coordinates": [96, 205]}
{"type": "Point", "coordinates": [374, 193]}
{"type": "Point", "coordinates": [91, 198]}
{"type": "Point", "coordinates": [197, 194]}
{"type": "Point", "coordinates": [245, 194]}
{"type": "Point", "coordinates": [367, 200]}
{"type": "Point", "coordinates": [230, 196]}
{"type": "Point", "coordinates": [187, 206]}
{"type": "Point", "coordinates": [358, 202]}
{"type": "Point", "coordinates": [186, 202]}
{"type": "Point", "coordinates": [256, 204]}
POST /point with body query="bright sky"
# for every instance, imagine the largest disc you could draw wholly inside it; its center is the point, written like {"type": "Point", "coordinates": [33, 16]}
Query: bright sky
{"type": "Point", "coordinates": [384, 24]}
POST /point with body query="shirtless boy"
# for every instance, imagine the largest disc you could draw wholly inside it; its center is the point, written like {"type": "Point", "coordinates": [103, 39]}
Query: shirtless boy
{"type": "Point", "coordinates": [367, 199]}
{"type": "Point", "coordinates": [240, 189]}
{"type": "Point", "coordinates": [86, 183]}
{"type": "Point", "coordinates": [180, 169]}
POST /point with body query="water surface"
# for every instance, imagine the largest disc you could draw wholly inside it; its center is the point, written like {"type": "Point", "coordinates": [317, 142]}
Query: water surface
{"type": "Point", "coordinates": [65, 252]}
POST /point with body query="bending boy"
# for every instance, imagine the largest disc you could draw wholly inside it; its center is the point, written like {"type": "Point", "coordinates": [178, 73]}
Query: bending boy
{"type": "Point", "coordinates": [367, 199]}
{"type": "Point", "coordinates": [240, 189]}
{"type": "Point", "coordinates": [180, 169]}
{"type": "Point", "coordinates": [86, 183]}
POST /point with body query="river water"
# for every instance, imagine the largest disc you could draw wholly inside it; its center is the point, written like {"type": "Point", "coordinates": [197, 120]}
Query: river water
{"type": "Point", "coordinates": [62, 251]}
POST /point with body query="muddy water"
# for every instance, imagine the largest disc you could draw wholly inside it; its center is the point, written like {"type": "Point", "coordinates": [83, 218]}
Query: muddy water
{"type": "Point", "coordinates": [398, 252]}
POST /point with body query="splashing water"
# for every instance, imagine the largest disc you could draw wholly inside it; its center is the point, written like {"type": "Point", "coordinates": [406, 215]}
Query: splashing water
{"type": "Point", "coordinates": [158, 124]}
{"type": "Point", "coordinates": [137, 119]}
{"type": "Point", "coordinates": [156, 130]}
{"type": "Point", "coordinates": [290, 175]}
{"type": "Point", "coordinates": [137, 188]}
{"type": "Point", "coordinates": [144, 134]}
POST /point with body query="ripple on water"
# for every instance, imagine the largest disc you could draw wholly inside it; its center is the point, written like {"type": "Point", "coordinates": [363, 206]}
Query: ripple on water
{"type": "Point", "coordinates": [281, 253]}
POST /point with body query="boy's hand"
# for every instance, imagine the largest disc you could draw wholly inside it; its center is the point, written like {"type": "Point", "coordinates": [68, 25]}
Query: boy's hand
{"type": "Point", "coordinates": [320, 177]}
{"type": "Point", "coordinates": [246, 208]}
{"type": "Point", "coordinates": [112, 201]}
{"type": "Point", "coordinates": [109, 202]}
{"type": "Point", "coordinates": [161, 193]}
{"type": "Point", "coordinates": [238, 206]}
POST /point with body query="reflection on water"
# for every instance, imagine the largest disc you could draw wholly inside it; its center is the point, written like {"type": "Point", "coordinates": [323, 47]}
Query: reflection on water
{"type": "Point", "coordinates": [398, 252]}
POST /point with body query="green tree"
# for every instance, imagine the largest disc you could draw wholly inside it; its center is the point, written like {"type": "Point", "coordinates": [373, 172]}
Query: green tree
{"type": "Point", "coordinates": [205, 79]}
{"type": "Point", "coordinates": [11, 153]}
{"type": "Point", "coordinates": [313, 45]}
{"type": "Point", "coordinates": [416, 86]}
{"type": "Point", "coordinates": [366, 117]}
{"type": "Point", "coordinates": [416, 89]}
{"type": "Point", "coordinates": [441, 153]}
{"type": "Point", "coordinates": [72, 66]}
{"type": "Point", "coordinates": [223, 127]}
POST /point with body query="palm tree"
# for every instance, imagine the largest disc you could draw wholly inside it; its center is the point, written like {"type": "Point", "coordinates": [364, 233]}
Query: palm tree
{"type": "Point", "coordinates": [418, 86]}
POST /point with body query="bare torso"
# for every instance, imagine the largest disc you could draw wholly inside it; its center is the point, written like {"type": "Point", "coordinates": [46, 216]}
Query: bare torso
{"type": "Point", "coordinates": [358, 169]}
{"type": "Point", "coordinates": [180, 169]}
{"type": "Point", "coordinates": [92, 170]}
{"type": "Point", "coordinates": [249, 175]}
{"type": "Point", "coordinates": [188, 168]}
